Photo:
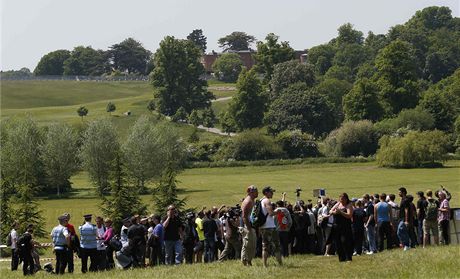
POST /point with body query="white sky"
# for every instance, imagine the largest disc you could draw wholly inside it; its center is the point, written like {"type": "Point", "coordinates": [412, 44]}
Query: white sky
{"type": "Point", "coordinates": [32, 28]}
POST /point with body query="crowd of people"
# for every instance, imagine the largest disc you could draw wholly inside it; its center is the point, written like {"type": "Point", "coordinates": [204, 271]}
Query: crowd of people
{"type": "Point", "coordinates": [256, 228]}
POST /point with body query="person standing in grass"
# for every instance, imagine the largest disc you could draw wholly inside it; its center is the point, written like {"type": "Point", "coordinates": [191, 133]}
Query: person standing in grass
{"type": "Point", "coordinates": [107, 236]}
{"type": "Point", "coordinates": [359, 217]}
{"type": "Point", "coordinates": [404, 219]}
{"type": "Point", "coordinates": [430, 223]}
{"type": "Point", "coordinates": [283, 225]}
{"type": "Point", "coordinates": [172, 236]}
{"type": "Point", "coordinates": [270, 238]}
{"type": "Point", "coordinates": [443, 218]}
{"type": "Point", "coordinates": [248, 250]}
{"type": "Point", "coordinates": [370, 225]}
{"type": "Point", "coordinates": [343, 236]}
{"type": "Point", "coordinates": [210, 229]}
{"type": "Point", "coordinates": [382, 211]}
{"type": "Point", "coordinates": [199, 228]}
{"type": "Point", "coordinates": [101, 247]}
{"type": "Point", "coordinates": [61, 242]}
{"type": "Point", "coordinates": [14, 248]}
{"type": "Point", "coordinates": [421, 204]}
{"type": "Point", "coordinates": [88, 245]}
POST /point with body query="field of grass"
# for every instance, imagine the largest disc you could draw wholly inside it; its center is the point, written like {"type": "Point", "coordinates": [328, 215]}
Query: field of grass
{"type": "Point", "coordinates": [58, 101]}
{"type": "Point", "coordinates": [217, 186]}
{"type": "Point", "coordinates": [436, 262]}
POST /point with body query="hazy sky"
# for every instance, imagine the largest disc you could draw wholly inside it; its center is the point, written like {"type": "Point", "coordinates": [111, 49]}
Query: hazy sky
{"type": "Point", "coordinates": [32, 28]}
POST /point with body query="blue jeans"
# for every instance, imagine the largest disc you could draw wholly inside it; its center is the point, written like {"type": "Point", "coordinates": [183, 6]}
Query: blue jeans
{"type": "Point", "coordinates": [173, 247]}
{"type": "Point", "coordinates": [403, 234]}
{"type": "Point", "coordinates": [370, 230]}
{"type": "Point", "coordinates": [209, 248]}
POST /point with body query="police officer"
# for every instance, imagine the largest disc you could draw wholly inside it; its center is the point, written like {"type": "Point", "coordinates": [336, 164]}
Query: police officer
{"type": "Point", "coordinates": [88, 244]}
{"type": "Point", "coordinates": [61, 243]}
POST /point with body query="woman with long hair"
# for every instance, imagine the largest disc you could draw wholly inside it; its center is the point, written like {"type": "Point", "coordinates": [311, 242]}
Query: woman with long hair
{"type": "Point", "coordinates": [343, 236]}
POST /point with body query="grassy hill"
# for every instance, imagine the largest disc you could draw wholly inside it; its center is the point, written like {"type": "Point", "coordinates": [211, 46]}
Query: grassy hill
{"type": "Point", "coordinates": [56, 101]}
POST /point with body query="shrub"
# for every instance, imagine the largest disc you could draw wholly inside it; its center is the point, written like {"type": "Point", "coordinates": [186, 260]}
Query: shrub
{"type": "Point", "coordinates": [415, 149]}
{"type": "Point", "coordinates": [227, 67]}
{"type": "Point", "coordinates": [203, 151]}
{"type": "Point", "coordinates": [297, 145]}
{"type": "Point", "coordinates": [352, 139]}
{"type": "Point", "coordinates": [250, 145]}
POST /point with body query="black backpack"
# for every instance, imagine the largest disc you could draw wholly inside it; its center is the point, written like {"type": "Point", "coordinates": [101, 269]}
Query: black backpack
{"type": "Point", "coordinates": [257, 217]}
{"type": "Point", "coordinates": [115, 244]}
{"type": "Point", "coordinates": [23, 245]}
{"type": "Point", "coordinates": [9, 240]}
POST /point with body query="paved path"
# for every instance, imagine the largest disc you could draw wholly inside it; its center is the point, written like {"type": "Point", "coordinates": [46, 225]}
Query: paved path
{"type": "Point", "coordinates": [222, 99]}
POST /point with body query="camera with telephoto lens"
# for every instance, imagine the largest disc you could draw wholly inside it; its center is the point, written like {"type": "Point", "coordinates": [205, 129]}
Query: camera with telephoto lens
{"type": "Point", "coordinates": [297, 191]}
{"type": "Point", "coordinates": [234, 211]}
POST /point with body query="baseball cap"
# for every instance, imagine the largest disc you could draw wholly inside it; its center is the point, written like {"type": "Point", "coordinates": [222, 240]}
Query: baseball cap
{"type": "Point", "coordinates": [267, 189]}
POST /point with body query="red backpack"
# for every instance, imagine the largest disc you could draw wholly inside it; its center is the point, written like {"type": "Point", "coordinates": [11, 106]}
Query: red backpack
{"type": "Point", "coordinates": [282, 220]}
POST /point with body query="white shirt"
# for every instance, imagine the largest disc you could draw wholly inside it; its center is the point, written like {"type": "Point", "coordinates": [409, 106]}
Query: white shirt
{"type": "Point", "coordinates": [100, 241]}
{"type": "Point", "coordinates": [270, 222]}
{"type": "Point", "coordinates": [14, 239]}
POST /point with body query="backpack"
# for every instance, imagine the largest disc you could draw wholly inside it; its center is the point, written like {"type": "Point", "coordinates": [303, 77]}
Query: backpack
{"type": "Point", "coordinates": [23, 245]}
{"type": "Point", "coordinates": [257, 217]}
{"type": "Point", "coordinates": [9, 240]}
{"type": "Point", "coordinates": [431, 210]}
{"type": "Point", "coordinates": [283, 221]}
{"type": "Point", "coordinates": [115, 244]}
{"type": "Point", "coordinates": [395, 213]}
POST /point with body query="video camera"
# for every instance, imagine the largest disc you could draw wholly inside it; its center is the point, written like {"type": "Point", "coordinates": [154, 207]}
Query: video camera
{"type": "Point", "coordinates": [232, 212]}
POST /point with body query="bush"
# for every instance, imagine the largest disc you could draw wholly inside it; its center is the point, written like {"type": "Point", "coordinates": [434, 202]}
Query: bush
{"type": "Point", "coordinates": [352, 139]}
{"type": "Point", "coordinates": [250, 145]}
{"type": "Point", "coordinates": [415, 149]}
{"type": "Point", "coordinates": [227, 67]}
{"type": "Point", "coordinates": [297, 145]}
{"type": "Point", "coordinates": [203, 151]}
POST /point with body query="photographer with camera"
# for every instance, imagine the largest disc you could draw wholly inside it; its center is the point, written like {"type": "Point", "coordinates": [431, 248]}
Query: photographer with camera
{"type": "Point", "coordinates": [232, 237]}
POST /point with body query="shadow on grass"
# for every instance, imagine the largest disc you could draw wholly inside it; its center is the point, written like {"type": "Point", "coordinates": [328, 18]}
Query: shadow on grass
{"type": "Point", "coordinates": [80, 193]}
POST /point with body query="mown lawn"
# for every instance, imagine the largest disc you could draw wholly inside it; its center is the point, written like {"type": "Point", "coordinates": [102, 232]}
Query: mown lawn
{"type": "Point", "coordinates": [436, 262]}
{"type": "Point", "coordinates": [217, 186]}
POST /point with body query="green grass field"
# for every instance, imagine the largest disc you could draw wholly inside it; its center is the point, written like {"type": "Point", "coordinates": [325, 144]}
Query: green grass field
{"type": "Point", "coordinates": [217, 186]}
{"type": "Point", "coordinates": [58, 101]}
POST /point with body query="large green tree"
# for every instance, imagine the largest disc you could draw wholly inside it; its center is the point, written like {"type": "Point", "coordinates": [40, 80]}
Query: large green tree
{"type": "Point", "coordinates": [98, 152]}
{"type": "Point", "coordinates": [129, 56]}
{"type": "Point", "coordinates": [348, 35]}
{"type": "Point", "coordinates": [198, 39]}
{"type": "Point", "coordinates": [248, 105]}
{"type": "Point", "coordinates": [362, 102]}
{"type": "Point", "coordinates": [289, 72]}
{"type": "Point", "coordinates": [321, 57]}
{"type": "Point", "coordinates": [270, 53]}
{"type": "Point", "coordinates": [301, 108]}
{"type": "Point", "coordinates": [177, 77]}
{"type": "Point", "coordinates": [52, 63]}
{"type": "Point", "coordinates": [86, 61]}
{"type": "Point", "coordinates": [59, 154]}
{"type": "Point", "coordinates": [236, 41]}
{"type": "Point", "coordinates": [227, 67]}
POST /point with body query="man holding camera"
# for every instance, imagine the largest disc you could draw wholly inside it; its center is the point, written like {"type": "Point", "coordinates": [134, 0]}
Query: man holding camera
{"type": "Point", "coordinates": [232, 241]}
{"type": "Point", "coordinates": [270, 238]}
{"type": "Point", "coordinates": [172, 236]}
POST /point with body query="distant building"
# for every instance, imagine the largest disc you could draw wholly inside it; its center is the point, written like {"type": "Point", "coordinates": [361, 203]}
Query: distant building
{"type": "Point", "coordinates": [247, 56]}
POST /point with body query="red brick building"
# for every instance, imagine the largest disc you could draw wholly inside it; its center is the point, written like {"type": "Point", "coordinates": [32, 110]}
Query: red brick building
{"type": "Point", "coordinates": [247, 56]}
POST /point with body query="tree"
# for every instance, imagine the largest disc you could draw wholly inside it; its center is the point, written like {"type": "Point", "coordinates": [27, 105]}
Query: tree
{"type": "Point", "coordinates": [149, 150]}
{"type": "Point", "coordinates": [397, 74]}
{"type": "Point", "coordinates": [180, 115]}
{"type": "Point", "coordinates": [362, 102]}
{"type": "Point", "coordinates": [289, 72]}
{"type": "Point", "coordinates": [440, 108]}
{"type": "Point", "coordinates": [271, 53]}
{"type": "Point", "coordinates": [236, 41]}
{"type": "Point", "coordinates": [52, 63]}
{"type": "Point", "coordinates": [28, 211]}
{"type": "Point", "coordinates": [415, 149]}
{"type": "Point", "coordinates": [248, 105]}
{"type": "Point", "coordinates": [198, 39]}
{"type": "Point", "coordinates": [227, 67]}
{"type": "Point", "coordinates": [124, 200]}
{"type": "Point", "coordinates": [98, 152]}
{"type": "Point", "coordinates": [151, 106]}
{"type": "Point", "coordinates": [20, 153]}
{"type": "Point", "coordinates": [300, 108]}
{"type": "Point", "coordinates": [348, 35]}
{"type": "Point", "coordinates": [86, 61]}
{"type": "Point", "coordinates": [59, 156]}
{"type": "Point", "coordinates": [177, 77]}
{"type": "Point", "coordinates": [82, 111]}
{"type": "Point", "coordinates": [209, 118]}
{"type": "Point", "coordinates": [335, 90]}
{"type": "Point", "coordinates": [110, 108]}
{"type": "Point", "coordinates": [321, 57]}
{"type": "Point", "coordinates": [194, 118]}
{"type": "Point", "coordinates": [351, 56]}
{"type": "Point", "coordinates": [12, 74]}
{"type": "Point", "coordinates": [129, 56]}
{"type": "Point", "coordinates": [166, 193]}
{"type": "Point", "coordinates": [297, 144]}
{"type": "Point", "coordinates": [227, 122]}
{"type": "Point", "coordinates": [352, 139]}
